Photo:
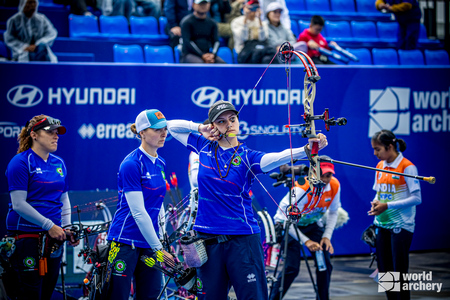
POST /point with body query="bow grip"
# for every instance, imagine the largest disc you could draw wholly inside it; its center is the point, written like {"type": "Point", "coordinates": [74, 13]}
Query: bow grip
{"type": "Point", "coordinates": [315, 148]}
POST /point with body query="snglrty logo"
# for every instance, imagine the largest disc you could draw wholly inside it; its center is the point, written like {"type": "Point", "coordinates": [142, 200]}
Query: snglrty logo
{"type": "Point", "coordinates": [206, 96]}
{"type": "Point", "coordinates": [24, 95]}
{"type": "Point", "coordinates": [389, 109]}
{"type": "Point", "coordinates": [389, 282]}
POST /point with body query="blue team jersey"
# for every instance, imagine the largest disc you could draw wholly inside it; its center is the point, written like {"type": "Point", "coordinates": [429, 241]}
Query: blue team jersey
{"type": "Point", "coordinates": [137, 173]}
{"type": "Point", "coordinates": [225, 206]}
{"type": "Point", "coordinates": [44, 182]}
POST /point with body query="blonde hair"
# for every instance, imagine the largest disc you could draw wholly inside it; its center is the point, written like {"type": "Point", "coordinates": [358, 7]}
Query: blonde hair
{"type": "Point", "coordinates": [24, 138]}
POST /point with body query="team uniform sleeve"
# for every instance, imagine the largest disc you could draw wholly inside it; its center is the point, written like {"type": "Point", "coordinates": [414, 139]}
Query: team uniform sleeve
{"type": "Point", "coordinates": [66, 218]}
{"type": "Point", "coordinates": [181, 129]}
{"type": "Point", "coordinates": [135, 201]}
{"type": "Point", "coordinates": [273, 160]}
{"type": "Point", "coordinates": [131, 176]}
{"type": "Point", "coordinates": [28, 212]}
{"type": "Point", "coordinates": [17, 174]}
{"type": "Point", "coordinates": [332, 215]}
{"type": "Point", "coordinates": [415, 197]}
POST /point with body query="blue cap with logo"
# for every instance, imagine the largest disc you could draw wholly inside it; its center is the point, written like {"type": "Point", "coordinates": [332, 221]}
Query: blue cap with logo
{"type": "Point", "coordinates": [150, 118]}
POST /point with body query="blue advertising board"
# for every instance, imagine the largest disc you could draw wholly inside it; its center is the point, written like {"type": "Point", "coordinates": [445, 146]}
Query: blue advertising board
{"type": "Point", "coordinates": [98, 103]}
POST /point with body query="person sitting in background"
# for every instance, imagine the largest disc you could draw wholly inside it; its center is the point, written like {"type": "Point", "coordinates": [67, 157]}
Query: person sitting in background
{"type": "Point", "coordinates": [175, 11]}
{"type": "Point", "coordinates": [30, 34]}
{"type": "Point", "coordinates": [148, 8]}
{"type": "Point", "coordinates": [250, 34]}
{"type": "Point", "coordinates": [219, 9]}
{"type": "Point", "coordinates": [278, 34]}
{"type": "Point", "coordinates": [79, 7]}
{"type": "Point", "coordinates": [408, 14]}
{"type": "Point", "coordinates": [315, 40]}
{"type": "Point", "coordinates": [285, 18]}
{"type": "Point", "coordinates": [199, 33]}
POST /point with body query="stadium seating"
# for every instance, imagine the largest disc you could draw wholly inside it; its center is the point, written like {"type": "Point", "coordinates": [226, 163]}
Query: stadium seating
{"type": "Point", "coordinates": [83, 26]}
{"type": "Point", "coordinates": [343, 6]}
{"type": "Point", "coordinates": [128, 54]}
{"type": "Point", "coordinates": [364, 31]}
{"type": "Point", "coordinates": [302, 25]}
{"type": "Point", "coordinates": [162, 25]}
{"type": "Point", "coordinates": [295, 7]}
{"type": "Point", "coordinates": [338, 31]}
{"type": "Point", "coordinates": [226, 54]}
{"type": "Point", "coordinates": [319, 7]}
{"type": "Point", "coordinates": [436, 57]}
{"type": "Point", "coordinates": [363, 54]}
{"type": "Point", "coordinates": [144, 27]}
{"type": "Point", "coordinates": [367, 7]}
{"type": "Point", "coordinates": [158, 54]}
{"type": "Point", "coordinates": [410, 57]}
{"type": "Point", "coordinates": [294, 28]}
{"type": "Point", "coordinates": [384, 56]}
{"type": "Point", "coordinates": [4, 50]}
{"type": "Point", "coordinates": [387, 31]}
{"type": "Point", "coordinates": [114, 27]}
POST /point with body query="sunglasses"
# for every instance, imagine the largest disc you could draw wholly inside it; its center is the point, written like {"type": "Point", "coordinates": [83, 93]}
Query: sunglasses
{"type": "Point", "coordinates": [253, 7]}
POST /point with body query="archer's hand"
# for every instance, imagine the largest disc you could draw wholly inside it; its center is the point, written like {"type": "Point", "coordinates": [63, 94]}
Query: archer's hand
{"type": "Point", "coordinates": [377, 208]}
{"type": "Point", "coordinates": [71, 237]}
{"type": "Point", "coordinates": [321, 139]}
{"type": "Point", "coordinates": [313, 246]}
{"type": "Point", "coordinates": [325, 243]}
{"type": "Point", "coordinates": [57, 232]}
{"type": "Point", "coordinates": [168, 258]}
{"type": "Point", "coordinates": [313, 45]}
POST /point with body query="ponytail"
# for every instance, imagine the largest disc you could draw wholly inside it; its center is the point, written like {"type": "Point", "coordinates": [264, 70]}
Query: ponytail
{"type": "Point", "coordinates": [386, 137]}
{"type": "Point", "coordinates": [24, 138]}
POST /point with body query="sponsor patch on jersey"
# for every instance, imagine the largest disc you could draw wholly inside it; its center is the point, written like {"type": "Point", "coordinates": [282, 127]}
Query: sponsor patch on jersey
{"type": "Point", "coordinates": [120, 266]}
{"type": "Point", "coordinates": [60, 171]}
{"type": "Point", "coordinates": [29, 262]}
{"type": "Point", "coordinates": [236, 161]}
{"type": "Point", "coordinates": [199, 284]}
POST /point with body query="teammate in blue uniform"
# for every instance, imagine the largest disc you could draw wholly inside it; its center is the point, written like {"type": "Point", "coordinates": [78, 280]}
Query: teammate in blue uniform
{"type": "Point", "coordinates": [225, 216]}
{"type": "Point", "coordinates": [40, 206]}
{"type": "Point", "coordinates": [133, 232]}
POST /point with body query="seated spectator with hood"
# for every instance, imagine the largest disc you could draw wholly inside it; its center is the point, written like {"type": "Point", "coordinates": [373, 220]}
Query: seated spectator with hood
{"type": "Point", "coordinates": [30, 34]}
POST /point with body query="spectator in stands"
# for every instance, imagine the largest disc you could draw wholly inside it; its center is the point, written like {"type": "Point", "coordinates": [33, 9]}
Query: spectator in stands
{"type": "Point", "coordinates": [199, 33]}
{"type": "Point", "coordinates": [79, 7]}
{"type": "Point", "coordinates": [219, 9]}
{"type": "Point", "coordinates": [30, 34]}
{"type": "Point", "coordinates": [408, 14]}
{"type": "Point", "coordinates": [315, 40]}
{"type": "Point", "coordinates": [175, 11]}
{"type": "Point", "coordinates": [285, 19]}
{"type": "Point", "coordinates": [118, 8]}
{"type": "Point", "coordinates": [250, 35]}
{"type": "Point", "coordinates": [278, 34]}
{"type": "Point", "coordinates": [237, 8]}
{"type": "Point", "coordinates": [148, 8]}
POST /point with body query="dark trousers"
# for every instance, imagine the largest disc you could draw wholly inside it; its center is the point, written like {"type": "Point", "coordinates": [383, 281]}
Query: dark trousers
{"type": "Point", "coordinates": [292, 263]}
{"type": "Point", "coordinates": [393, 255]}
{"type": "Point", "coordinates": [408, 35]}
{"type": "Point", "coordinates": [23, 281]}
{"type": "Point", "coordinates": [238, 263]}
{"type": "Point", "coordinates": [39, 54]}
{"type": "Point", "coordinates": [124, 263]}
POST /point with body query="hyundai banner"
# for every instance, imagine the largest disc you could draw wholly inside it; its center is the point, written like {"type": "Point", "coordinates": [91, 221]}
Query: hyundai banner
{"type": "Point", "coordinates": [98, 103]}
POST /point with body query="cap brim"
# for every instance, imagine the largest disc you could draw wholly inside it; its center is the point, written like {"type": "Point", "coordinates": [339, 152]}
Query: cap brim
{"type": "Point", "coordinates": [221, 112]}
{"type": "Point", "coordinates": [61, 129]}
{"type": "Point", "coordinates": [326, 169]}
{"type": "Point", "coordinates": [159, 125]}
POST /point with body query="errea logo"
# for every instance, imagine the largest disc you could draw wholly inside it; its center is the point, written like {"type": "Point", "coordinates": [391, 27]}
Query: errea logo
{"type": "Point", "coordinates": [251, 277]}
{"type": "Point", "coordinates": [24, 95]}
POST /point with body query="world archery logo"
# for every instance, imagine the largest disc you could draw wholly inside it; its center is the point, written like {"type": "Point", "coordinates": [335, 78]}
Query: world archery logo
{"type": "Point", "coordinates": [29, 262]}
{"type": "Point", "coordinates": [389, 109]}
{"type": "Point", "coordinates": [389, 282]}
{"type": "Point", "coordinates": [120, 266]}
{"type": "Point", "coordinates": [236, 161]}
{"type": "Point", "coordinates": [60, 172]}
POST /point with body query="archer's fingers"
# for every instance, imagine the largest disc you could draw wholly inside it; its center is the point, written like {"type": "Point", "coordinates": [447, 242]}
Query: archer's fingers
{"type": "Point", "coordinates": [322, 141]}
